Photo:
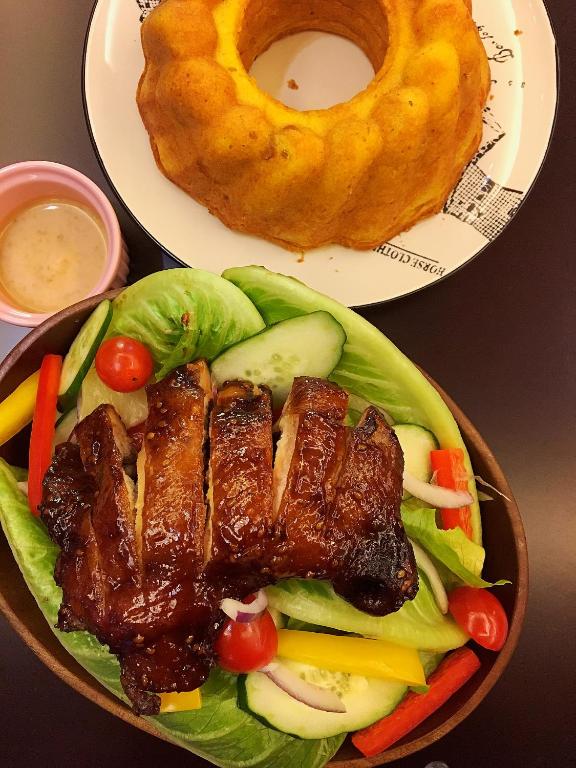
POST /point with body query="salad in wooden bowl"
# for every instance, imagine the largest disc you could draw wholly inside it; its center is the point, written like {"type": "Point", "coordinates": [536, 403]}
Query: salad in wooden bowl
{"type": "Point", "coordinates": [253, 524]}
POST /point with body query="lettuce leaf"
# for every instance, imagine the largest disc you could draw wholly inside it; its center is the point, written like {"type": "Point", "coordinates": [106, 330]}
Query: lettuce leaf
{"type": "Point", "coordinates": [452, 548]}
{"type": "Point", "coordinates": [219, 732]}
{"type": "Point", "coordinates": [430, 662]}
{"type": "Point", "coordinates": [183, 314]}
{"type": "Point", "coordinates": [418, 624]}
{"type": "Point", "coordinates": [371, 367]}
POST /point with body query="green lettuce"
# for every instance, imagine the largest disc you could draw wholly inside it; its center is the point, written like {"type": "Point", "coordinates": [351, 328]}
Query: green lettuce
{"type": "Point", "coordinates": [430, 662]}
{"type": "Point", "coordinates": [371, 367]}
{"type": "Point", "coordinates": [418, 624]}
{"type": "Point", "coordinates": [183, 314]}
{"type": "Point", "coordinates": [219, 732]}
{"type": "Point", "coordinates": [452, 548]}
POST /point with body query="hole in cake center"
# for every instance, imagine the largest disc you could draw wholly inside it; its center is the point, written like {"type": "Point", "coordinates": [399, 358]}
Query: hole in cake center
{"type": "Point", "coordinates": [311, 54]}
{"type": "Point", "coordinates": [313, 70]}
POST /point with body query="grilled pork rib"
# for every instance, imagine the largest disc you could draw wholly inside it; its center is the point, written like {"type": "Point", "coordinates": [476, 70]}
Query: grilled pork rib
{"type": "Point", "coordinates": [376, 566]}
{"type": "Point", "coordinates": [308, 460]}
{"type": "Point", "coordinates": [145, 568]}
{"type": "Point", "coordinates": [338, 494]}
{"type": "Point", "coordinates": [240, 486]}
{"type": "Point", "coordinates": [172, 621]}
{"type": "Point", "coordinates": [136, 581]}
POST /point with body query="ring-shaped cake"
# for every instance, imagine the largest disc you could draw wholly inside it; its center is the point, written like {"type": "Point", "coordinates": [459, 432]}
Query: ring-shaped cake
{"type": "Point", "coordinates": [357, 173]}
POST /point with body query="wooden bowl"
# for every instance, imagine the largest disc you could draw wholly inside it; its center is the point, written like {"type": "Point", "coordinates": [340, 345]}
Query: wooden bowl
{"type": "Point", "coordinates": [504, 538]}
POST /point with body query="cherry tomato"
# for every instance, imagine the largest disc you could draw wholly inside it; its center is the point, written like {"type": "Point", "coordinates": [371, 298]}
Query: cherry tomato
{"type": "Point", "coordinates": [124, 364]}
{"type": "Point", "coordinates": [481, 615]}
{"type": "Point", "coordinates": [246, 647]}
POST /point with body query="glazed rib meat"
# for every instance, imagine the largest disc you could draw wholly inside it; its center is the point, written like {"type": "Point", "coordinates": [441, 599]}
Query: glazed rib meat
{"type": "Point", "coordinates": [136, 581]}
{"type": "Point", "coordinates": [309, 457]}
{"type": "Point", "coordinates": [376, 570]}
{"type": "Point", "coordinates": [68, 498]}
{"type": "Point", "coordinates": [338, 494]}
{"type": "Point", "coordinates": [172, 618]}
{"type": "Point", "coordinates": [171, 505]}
{"type": "Point", "coordinates": [240, 485]}
{"type": "Point", "coordinates": [145, 564]}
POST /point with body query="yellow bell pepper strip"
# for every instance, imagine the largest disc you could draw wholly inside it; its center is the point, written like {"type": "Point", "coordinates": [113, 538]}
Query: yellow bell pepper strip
{"type": "Point", "coordinates": [180, 702]}
{"type": "Point", "coordinates": [40, 452]}
{"type": "Point", "coordinates": [356, 655]}
{"type": "Point", "coordinates": [18, 408]}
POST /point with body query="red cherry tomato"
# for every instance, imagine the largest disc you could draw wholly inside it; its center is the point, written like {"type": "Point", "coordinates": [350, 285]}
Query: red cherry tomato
{"type": "Point", "coordinates": [246, 647]}
{"type": "Point", "coordinates": [481, 615]}
{"type": "Point", "coordinates": [124, 364]}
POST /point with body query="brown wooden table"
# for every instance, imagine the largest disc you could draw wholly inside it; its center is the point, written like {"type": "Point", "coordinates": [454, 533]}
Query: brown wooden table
{"type": "Point", "coordinates": [499, 336]}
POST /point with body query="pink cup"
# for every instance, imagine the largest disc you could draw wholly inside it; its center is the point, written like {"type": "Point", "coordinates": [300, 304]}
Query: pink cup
{"type": "Point", "coordinates": [31, 181]}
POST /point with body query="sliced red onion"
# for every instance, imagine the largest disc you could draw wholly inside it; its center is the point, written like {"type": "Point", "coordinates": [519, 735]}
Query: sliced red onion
{"type": "Point", "coordinates": [245, 612]}
{"type": "Point", "coordinates": [427, 566]}
{"type": "Point", "coordinates": [306, 693]}
{"type": "Point", "coordinates": [442, 498]}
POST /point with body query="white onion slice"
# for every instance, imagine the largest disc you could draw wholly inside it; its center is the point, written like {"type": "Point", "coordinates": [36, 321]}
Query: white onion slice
{"type": "Point", "coordinates": [486, 484]}
{"type": "Point", "coordinates": [245, 612]}
{"type": "Point", "coordinates": [358, 403]}
{"type": "Point", "coordinates": [425, 564]}
{"type": "Point", "coordinates": [269, 667]}
{"type": "Point", "coordinates": [442, 498]}
{"type": "Point", "coordinates": [306, 693]}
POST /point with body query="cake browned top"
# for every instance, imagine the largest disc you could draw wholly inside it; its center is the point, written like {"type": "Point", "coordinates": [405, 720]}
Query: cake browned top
{"type": "Point", "coordinates": [357, 173]}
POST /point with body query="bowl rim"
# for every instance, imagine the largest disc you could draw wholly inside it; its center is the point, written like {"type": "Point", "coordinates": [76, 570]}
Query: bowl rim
{"type": "Point", "coordinates": [95, 692]}
{"type": "Point", "coordinates": [32, 171]}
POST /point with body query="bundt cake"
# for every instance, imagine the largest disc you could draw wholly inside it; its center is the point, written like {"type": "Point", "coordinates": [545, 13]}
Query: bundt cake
{"type": "Point", "coordinates": [357, 173]}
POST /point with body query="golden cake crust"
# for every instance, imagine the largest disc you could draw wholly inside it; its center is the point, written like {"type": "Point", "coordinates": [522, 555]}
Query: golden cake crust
{"type": "Point", "coordinates": [355, 174]}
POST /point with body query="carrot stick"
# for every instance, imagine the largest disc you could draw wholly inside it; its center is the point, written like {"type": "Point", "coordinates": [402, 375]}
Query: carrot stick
{"type": "Point", "coordinates": [453, 672]}
{"type": "Point", "coordinates": [448, 464]}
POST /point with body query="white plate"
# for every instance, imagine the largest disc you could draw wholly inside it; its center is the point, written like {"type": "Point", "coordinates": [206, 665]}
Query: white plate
{"type": "Point", "coordinates": [518, 123]}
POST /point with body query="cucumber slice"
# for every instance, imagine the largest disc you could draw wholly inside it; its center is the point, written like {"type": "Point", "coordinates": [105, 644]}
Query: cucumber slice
{"type": "Point", "coordinates": [309, 345]}
{"type": "Point", "coordinates": [64, 427]}
{"type": "Point", "coordinates": [81, 354]}
{"type": "Point", "coordinates": [416, 443]}
{"type": "Point", "coordinates": [366, 701]}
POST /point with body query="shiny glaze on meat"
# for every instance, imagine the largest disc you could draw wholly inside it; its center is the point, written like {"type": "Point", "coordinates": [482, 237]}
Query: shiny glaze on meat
{"type": "Point", "coordinates": [142, 557]}
{"type": "Point", "coordinates": [309, 456]}
{"type": "Point", "coordinates": [68, 498]}
{"type": "Point", "coordinates": [105, 448]}
{"type": "Point", "coordinates": [240, 484]}
{"type": "Point", "coordinates": [171, 474]}
{"type": "Point", "coordinates": [376, 568]}
{"type": "Point", "coordinates": [338, 494]}
{"type": "Point", "coordinates": [144, 568]}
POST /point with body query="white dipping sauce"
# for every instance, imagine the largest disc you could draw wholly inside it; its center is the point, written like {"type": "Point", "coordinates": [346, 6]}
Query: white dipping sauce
{"type": "Point", "coordinates": [52, 254]}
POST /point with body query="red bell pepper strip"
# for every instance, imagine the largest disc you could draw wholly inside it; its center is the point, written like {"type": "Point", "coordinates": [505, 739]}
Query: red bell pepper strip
{"type": "Point", "coordinates": [448, 464]}
{"type": "Point", "coordinates": [455, 670]}
{"type": "Point", "coordinates": [40, 453]}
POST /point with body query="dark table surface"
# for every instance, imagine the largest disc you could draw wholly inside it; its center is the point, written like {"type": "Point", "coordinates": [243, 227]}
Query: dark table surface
{"type": "Point", "coordinates": [499, 336]}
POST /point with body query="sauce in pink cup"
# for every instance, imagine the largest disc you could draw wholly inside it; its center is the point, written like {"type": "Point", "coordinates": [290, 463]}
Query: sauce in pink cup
{"type": "Point", "coordinates": [35, 199]}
